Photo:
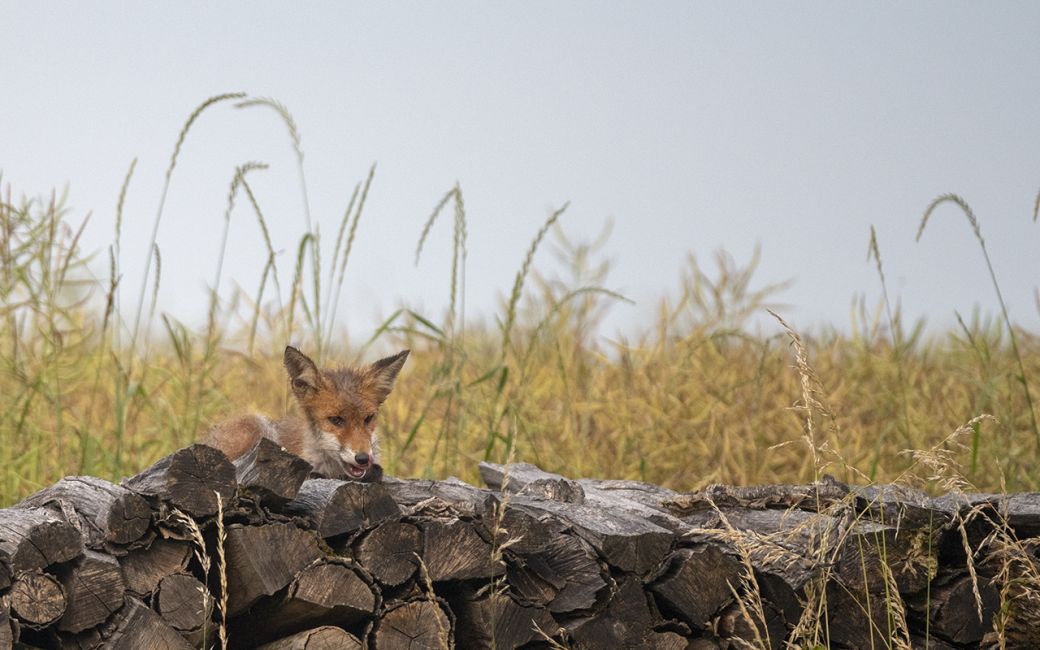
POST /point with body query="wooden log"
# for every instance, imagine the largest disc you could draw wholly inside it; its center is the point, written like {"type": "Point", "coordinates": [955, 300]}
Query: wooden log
{"type": "Point", "coordinates": [953, 612]}
{"type": "Point", "coordinates": [94, 588]}
{"type": "Point", "coordinates": [8, 627]}
{"type": "Point", "coordinates": [449, 497]}
{"type": "Point", "coordinates": [264, 559]}
{"type": "Point", "coordinates": [326, 637]}
{"type": "Point", "coordinates": [864, 617]}
{"type": "Point", "coordinates": [415, 625]}
{"type": "Point", "coordinates": [35, 538]}
{"type": "Point", "coordinates": [185, 605]}
{"type": "Point", "coordinates": [336, 507]}
{"type": "Point", "coordinates": [625, 621]}
{"type": "Point", "coordinates": [329, 592]}
{"type": "Point", "coordinates": [628, 542]}
{"type": "Point", "coordinates": [523, 530]}
{"type": "Point", "coordinates": [37, 599]}
{"type": "Point", "coordinates": [389, 552]}
{"type": "Point", "coordinates": [144, 569]}
{"type": "Point", "coordinates": [188, 479]}
{"type": "Point", "coordinates": [5, 570]}
{"type": "Point", "coordinates": [564, 575]}
{"type": "Point", "coordinates": [526, 479]}
{"type": "Point", "coordinates": [697, 583]}
{"type": "Point", "coordinates": [104, 513]}
{"type": "Point", "coordinates": [133, 627]}
{"type": "Point", "coordinates": [734, 627]}
{"type": "Point", "coordinates": [455, 551]}
{"type": "Point", "coordinates": [272, 474]}
{"type": "Point", "coordinates": [496, 620]}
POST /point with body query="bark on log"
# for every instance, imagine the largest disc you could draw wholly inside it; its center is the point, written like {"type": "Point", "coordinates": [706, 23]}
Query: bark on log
{"type": "Point", "coordinates": [526, 479]}
{"type": "Point", "coordinates": [35, 538]}
{"type": "Point", "coordinates": [261, 560]}
{"type": "Point", "coordinates": [627, 542]}
{"type": "Point", "coordinates": [271, 473]}
{"type": "Point", "coordinates": [188, 479]}
{"type": "Point", "coordinates": [37, 599]}
{"type": "Point", "coordinates": [319, 638]}
{"type": "Point", "coordinates": [338, 507]}
{"type": "Point", "coordinates": [103, 512]}
{"type": "Point", "coordinates": [94, 587]}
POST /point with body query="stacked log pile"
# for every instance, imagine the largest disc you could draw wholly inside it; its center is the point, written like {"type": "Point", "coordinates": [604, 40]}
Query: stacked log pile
{"type": "Point", "coordinates": [198, 551]}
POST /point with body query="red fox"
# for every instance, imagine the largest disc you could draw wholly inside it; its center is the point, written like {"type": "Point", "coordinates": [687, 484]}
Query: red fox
{"type": "Point", "coordinates": [337, 433]}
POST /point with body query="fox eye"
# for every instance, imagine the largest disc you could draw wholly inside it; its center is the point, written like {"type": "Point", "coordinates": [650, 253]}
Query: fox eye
{"type": "Point", "coordinates": [336, 421]}
{"type": "Point", "coordinates": [369, 418]}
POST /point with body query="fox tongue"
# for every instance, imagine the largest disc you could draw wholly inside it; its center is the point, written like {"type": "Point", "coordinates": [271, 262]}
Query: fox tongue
{"type": "Point", "coordinates": [356, 472]}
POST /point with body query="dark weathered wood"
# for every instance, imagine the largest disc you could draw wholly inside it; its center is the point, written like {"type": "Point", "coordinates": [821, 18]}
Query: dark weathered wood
{"type": "Point", "coordinates": [186, 606]}
{"type": "Point", "coordinates": [330, 592]}
{"type": "Point", "coordinates": [564, 575]}
{"type": "Point", "coordinates": [5, 570]}
{"type": "Point", "coordinates": [8, 627]}
{"type": "Point", "coordinates": [94, 587]}
{"type": "Point", "coordinates": [271, 473]}
{"type": "Point", "coordinates": [526, 479]}
{"type": "Point", "coordinates": [389, 552]}
{"type": "Point", "coordinates": [103, 512]}
{"type": "Point", "coordinates": [35, 538]}
{"type": "Point", "coordinates": [415, 625]}
{"type": "Point", "coordinates": [189, 479]}
{"type": "Point", "coordinates": [264, 559]}
{"type": "Point", "coordinates": [133, 627]}
{"type": "Point", "coordinates": [338, 507]}
{"type": "Point", "coordinates": [627, 542]}
{"type": "Point", "coordinates": [451, 497]}
{"type": "Point", "coordinates": [697, 583]}
{"type": "Point", "coordinates": [482, 618]}
{"type": "Point", "coordinates": [625, 622]}
{"type": "Point", "coordinates": [954, 613]}
{"type": "Point", "coordinates": [319, 638]}
{"type": "Point", "coordinates": [734, 627]}
{"type": "Point", "coordinates": [144, 568]}
{"type": "Point", "coordinates": [37, 599]}
{"type": "Point", "coordinates": [454, 551]}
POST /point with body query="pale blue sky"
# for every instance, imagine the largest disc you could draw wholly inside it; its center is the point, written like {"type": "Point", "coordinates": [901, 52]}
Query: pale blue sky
{"type": "Point", "coordinates": [693, 126]}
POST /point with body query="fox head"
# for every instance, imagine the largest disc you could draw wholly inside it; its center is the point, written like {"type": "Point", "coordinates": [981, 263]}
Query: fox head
{"type": "Point", "coordinates": [341, 407]}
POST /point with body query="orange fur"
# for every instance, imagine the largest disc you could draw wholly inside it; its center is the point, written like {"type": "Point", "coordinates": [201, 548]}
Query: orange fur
{"type": "Point", "coordinates": [337, 425]}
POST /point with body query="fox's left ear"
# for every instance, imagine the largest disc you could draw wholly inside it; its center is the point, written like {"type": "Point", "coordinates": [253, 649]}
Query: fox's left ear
{"type": "Point", "coordinates": [384, 372]}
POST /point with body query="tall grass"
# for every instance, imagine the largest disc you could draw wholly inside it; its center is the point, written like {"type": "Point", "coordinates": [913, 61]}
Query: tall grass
{"type": "Point", "coordinates": [89, 384]}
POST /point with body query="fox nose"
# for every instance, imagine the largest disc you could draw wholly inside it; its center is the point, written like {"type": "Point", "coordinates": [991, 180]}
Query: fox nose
{"type": "Point", "coordinates": [361, 459]}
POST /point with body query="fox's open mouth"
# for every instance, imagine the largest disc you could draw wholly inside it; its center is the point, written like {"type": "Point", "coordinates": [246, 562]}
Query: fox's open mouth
{"type": "Point", "coordinates": [356, 472]}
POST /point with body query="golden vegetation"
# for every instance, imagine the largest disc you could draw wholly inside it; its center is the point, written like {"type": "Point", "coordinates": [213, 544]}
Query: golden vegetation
{"type": "Point", "coordinates": [88, 387]}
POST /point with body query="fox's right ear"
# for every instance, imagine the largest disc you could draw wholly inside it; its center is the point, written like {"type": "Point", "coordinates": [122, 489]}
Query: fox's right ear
{"type": "Point", "coordinates": [303, 374]}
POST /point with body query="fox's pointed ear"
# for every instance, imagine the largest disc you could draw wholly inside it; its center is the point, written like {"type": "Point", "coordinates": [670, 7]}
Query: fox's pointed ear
{"type": "Point", "coordinates": [384, 372]}
{"type": "Point", "coordinates": [303, 374]}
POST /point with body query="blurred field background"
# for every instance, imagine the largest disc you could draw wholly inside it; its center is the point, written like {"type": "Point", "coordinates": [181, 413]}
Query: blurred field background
{"type": "Point", "coordinates": [95, 380]}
